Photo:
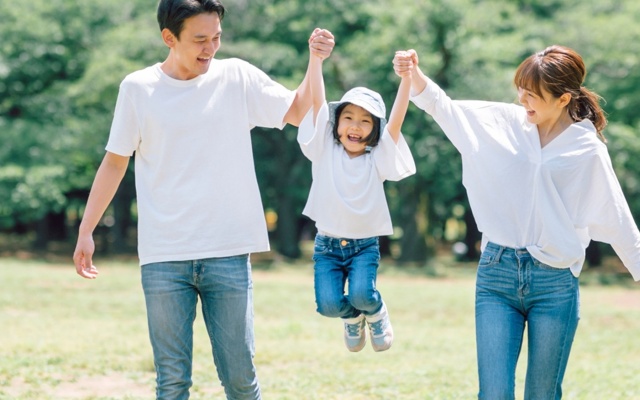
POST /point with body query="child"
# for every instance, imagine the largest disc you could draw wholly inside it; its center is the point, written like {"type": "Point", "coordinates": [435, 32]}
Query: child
{"type": "Point", "coordinates": [353, 150]}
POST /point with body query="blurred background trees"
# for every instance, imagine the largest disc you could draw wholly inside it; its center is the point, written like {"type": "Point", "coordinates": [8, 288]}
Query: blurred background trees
{"type": "Point", "coordinates": [61, 63]}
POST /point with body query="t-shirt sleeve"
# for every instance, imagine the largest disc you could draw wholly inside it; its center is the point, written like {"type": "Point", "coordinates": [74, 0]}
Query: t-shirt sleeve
{"type": "Point", "coordinates": [393, 160]}
{"type": "Point", "coordinates": [608, 216]}
{"type": "Point", "coordinates": [313, 137]}
{"type": "Point", "coordinates": [124, 136]}
{"type": "Point", "coordinates": [267, 100]}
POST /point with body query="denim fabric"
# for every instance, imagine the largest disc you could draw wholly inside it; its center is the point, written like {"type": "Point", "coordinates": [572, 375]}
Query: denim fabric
{"type": "Point", "coordinates": [338, 262]}
{"type": "Point", "coordinates": [514, 290]}
{"type": "Point", "coordinates": [225, 288]}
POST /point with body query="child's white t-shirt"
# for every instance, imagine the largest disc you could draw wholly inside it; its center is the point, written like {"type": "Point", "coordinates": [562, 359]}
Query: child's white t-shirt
{"type": "Point", "coordinates": [347, 197]}
{"type": "Point", "coordinates": [197, 191]}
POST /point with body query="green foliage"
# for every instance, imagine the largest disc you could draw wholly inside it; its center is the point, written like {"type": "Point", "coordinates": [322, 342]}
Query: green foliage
{"type": "Point", "coordinates": [60, 72]}
{"type": "Point", "coordinates": [61, 63]}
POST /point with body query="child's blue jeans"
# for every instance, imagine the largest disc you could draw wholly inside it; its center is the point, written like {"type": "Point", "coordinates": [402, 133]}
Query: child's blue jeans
{"type": "Point", "coordinates": [339, 261]}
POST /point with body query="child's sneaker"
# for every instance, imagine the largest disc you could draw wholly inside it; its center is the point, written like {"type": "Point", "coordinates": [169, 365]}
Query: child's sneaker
{"type": "Point", "coordinates": [380, 329]}
{"type": "Point", "coordinates": [354, 333]}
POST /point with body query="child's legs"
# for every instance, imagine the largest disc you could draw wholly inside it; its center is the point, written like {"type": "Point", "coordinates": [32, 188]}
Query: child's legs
{"type": "Point", "coordinates": [362, 275]}
{"type": "Point", "coordinates": [329, 280]}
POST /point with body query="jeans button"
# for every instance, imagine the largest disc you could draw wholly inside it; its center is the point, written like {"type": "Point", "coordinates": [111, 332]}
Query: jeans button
{"type": "Point", "coordinates": [343, 243]}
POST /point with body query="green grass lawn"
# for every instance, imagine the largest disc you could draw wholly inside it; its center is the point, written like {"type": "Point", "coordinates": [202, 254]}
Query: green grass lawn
{"type": "Point", "coordinates": [63, 337]}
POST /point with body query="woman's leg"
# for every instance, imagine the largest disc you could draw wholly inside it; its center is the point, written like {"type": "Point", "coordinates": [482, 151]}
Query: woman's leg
{"type": "Point", "coordinates": [500, 322]}
{"type": "Point", "coordinates": [553, 314]}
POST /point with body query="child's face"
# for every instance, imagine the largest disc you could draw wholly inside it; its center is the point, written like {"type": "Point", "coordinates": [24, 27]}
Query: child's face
{"type": "Point", "coordinates": [354, 126]}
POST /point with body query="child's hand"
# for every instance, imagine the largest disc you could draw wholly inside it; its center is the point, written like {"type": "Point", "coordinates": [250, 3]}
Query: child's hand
{"type": "Point", "coordinates": [404, 63]}
{"type": "Point", "coordinates": [321, 43]}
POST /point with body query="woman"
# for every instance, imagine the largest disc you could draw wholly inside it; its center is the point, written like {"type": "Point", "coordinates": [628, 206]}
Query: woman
{"type": "Point", "coordinates": [541, 186]}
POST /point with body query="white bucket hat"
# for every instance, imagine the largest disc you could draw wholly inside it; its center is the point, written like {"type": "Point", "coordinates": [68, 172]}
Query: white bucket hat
{"type": "Point", "coordinates": [365, 98]}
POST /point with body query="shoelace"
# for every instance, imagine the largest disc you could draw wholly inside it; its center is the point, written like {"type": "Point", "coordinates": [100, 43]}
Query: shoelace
{"type": "Point", "coordinates": [377, 327]}
{"type": "Point", "coordinates": [353, 329]}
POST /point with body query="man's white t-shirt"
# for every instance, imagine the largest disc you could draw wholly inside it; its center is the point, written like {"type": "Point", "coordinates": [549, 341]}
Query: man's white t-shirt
{"type": "Point", "coordinates": [347, 197]}
{"type": "Point", "coordinates": [197, 191]}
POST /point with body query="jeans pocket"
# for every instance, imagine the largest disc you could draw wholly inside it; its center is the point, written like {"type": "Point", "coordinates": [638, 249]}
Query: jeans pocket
{"type": "Point", "coordinates": [487, 259]}
{"type": "Point", "coordinates": [321, 250]}
{"type": "Point", "coordinates": [541, 265]}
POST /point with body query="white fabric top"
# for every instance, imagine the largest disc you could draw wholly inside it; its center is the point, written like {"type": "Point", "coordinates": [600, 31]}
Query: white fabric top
{"type": "Point", "coordinates": [197, 191]}
{"type": "Point", "coordinates": [347, 198]}
{"type": "Point", "coordinates": [552, 200]}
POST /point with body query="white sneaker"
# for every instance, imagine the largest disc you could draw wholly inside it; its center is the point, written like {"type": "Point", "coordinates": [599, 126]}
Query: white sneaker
{"type": "Point", "coordinates": [354, 333]}
{"type": "Point", "coordinates": [380, 329]}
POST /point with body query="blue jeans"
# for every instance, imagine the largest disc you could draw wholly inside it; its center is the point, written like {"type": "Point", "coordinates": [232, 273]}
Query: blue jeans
{"type": "Point", "coordinates": [338, 261]}
{"type": "Point", "coordinates": [513, 290]}
{"type": "Point", "coordinates": [225, 288]}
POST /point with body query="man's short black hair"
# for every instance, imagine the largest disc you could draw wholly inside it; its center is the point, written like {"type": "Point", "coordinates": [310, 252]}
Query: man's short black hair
{"type": "Point", "coordinates": [172, 13]}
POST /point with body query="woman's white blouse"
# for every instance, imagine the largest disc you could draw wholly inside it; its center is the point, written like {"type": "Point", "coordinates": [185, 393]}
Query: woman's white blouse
{"type": "Point", "coordinates": [347, 197]}
{"type": "Point", "coordinates": [552, 200]}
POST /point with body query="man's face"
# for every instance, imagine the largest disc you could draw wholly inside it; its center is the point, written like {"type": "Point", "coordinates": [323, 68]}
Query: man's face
{"type": "Point", "coordinates": [199, 41]}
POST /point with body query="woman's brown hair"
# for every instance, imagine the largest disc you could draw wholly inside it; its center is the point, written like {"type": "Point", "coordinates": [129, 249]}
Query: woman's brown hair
{"type": "Point", "coordinates": [560, 70]}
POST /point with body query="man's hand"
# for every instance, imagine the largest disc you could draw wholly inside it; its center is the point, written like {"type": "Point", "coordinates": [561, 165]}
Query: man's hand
{"type": "Point", "coordinates": [82, 257]}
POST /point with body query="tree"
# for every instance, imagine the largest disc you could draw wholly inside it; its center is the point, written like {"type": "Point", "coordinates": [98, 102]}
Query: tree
{"type": "Point", "coordinates": [59, 81]}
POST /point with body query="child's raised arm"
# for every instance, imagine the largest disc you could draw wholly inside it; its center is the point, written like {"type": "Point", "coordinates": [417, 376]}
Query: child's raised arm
{"type": "Point", "coordinates": [400, 105]}
{"type": "Point", "coordinates": [408, 61]}
{"type": "Point", "coordinates": [318, 42]}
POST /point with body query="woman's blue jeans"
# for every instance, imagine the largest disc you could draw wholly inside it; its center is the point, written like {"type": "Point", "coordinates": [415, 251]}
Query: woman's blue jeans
{"type": "Point", "coordinates": [514, 290]}
{"type": "Point", "coordinates": [224, 286]}
{"type": "Point", "coordinates": [338, 261]}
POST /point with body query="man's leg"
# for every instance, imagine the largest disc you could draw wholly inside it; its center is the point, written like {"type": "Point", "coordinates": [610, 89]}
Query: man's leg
{"type": "Point", "coordinates": [226, 290]}
{"type": "Point", "coordinates": [171, 309]}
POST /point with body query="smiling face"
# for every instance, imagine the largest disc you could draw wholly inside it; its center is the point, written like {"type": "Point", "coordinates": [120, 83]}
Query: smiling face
{"type": "Point", "coordinates": [542, 110]}
{"type": "Point", "coordinates": [191, 54]}
{"type": "Point", "coordinates": [355, 124]}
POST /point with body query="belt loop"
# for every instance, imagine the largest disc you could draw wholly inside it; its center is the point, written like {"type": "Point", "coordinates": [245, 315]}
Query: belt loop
{"type": "Point", "coordinates": [499, 253]}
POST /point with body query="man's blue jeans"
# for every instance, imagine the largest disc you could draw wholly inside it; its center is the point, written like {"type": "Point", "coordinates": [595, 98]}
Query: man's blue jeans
{"type": "Point", "coordinates": [513, 290]}
{"type": "Point", "coordinates": [225, 288]}
{"type": "Point", "coordinates": [338, 261]}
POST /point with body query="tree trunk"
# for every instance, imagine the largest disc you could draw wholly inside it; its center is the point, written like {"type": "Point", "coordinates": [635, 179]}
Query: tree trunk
{"type": "Point", "coordinates": [593, 254]}
{"type": "Point", "coordinates": [119, 232]}
{"type": "Point", "coordinates": [53, 226]}
{"type": "Point", "coordinates": [413, 221]}
{"type": "Point", "coordinates": [287, 238]}
{"type": "Point", "coordinates": [472, 236]}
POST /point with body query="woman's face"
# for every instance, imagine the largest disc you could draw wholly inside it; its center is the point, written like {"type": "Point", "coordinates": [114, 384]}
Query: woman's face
{"type": "Point", "coordinates": [354, 126]}
{"type": "Point", "coordinates": [542, 110]}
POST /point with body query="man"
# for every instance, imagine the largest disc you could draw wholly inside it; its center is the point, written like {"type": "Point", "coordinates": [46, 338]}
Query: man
{"type": "Point", "coordinates": [188, 121]}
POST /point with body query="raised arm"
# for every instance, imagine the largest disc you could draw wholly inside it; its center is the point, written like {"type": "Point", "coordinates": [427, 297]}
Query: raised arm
{"type": "Point", "coordinates": [104, 187]}
{"type": "Point", "coordinates": [456, 119]}
{"type": "Point", "coordinates": [401, 103]}
{"type": "Point", "coordinates": [316, 79]}
{"type": "Point", "coordinates": [408, 62]}
{"type": "Point", "coordinates": [321, 45]}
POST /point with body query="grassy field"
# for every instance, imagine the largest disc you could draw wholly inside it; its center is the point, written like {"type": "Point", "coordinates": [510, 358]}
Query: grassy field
{"type": "Point", "coordinates": [62, 337]}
